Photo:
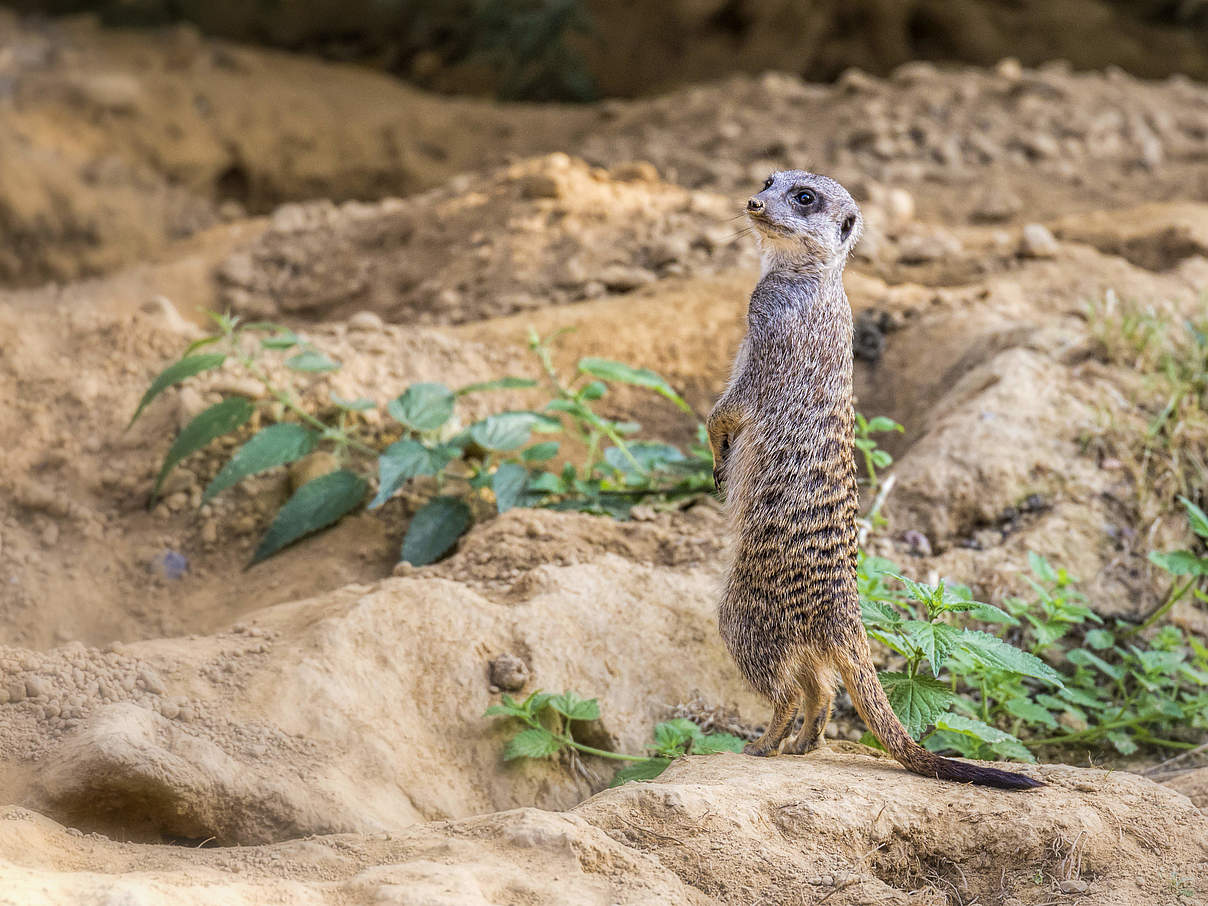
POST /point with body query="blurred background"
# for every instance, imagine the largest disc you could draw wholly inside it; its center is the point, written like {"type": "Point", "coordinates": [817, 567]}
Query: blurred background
{"type": "Point", "coordinates": [579, 50]}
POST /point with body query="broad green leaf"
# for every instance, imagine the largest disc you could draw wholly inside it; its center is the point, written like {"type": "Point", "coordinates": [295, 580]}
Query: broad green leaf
{"type": "Point", "coordinates": [991, 651]}
{"type": "Point", "coordinates": [988, 613]}
{"type": "Point", "coordinates": [547, 483]}
{"type": "Point", "coordinates": [541, 452]}
{"type": "Point", "coordinates": [503, 383]}
{"type": "Point", "coordinates": [671, 738]}
{"type": "Point", "coordinates": [1084, 658]}
{"type": "Point", "coordinates": [879, 613]}
{"type": "Point", "coordinates": [916, 700]}
{"type": "Point", "coordinates": [174, 374]}
{"type": "Point", "coordinates": [1122, 741]}
{"type": "Point", "coordinates": [504, 432]}
{"type": "Point", "coordinates": [927, 594]}
{"type": "Point", "coordinates": [880, 423]}
{"type": "Point", "coordinates": [593, 391]}
{"type": "Point", "coordinates": [1013, 749]}
{"type": "Point", "coordinates": [1033, 713]}
{"type": "Point", "coordinates": [532, 743]}
{"type": "Point", "coordinates": [1197, 517]}
{"type": "Point", "coordinates": [435, 529]}
{"type": "Point", "coordinates": [286, 339]}
{"type": "Point", "coordinates": [219, 419]}
{"type": "Point", "coordinates": [717, 742]}
{"type": "Point", "coordinates": [608, 370]}
{"type": "Point", "coordinates": [275, 445]}
{"type": "Point", "coordinates": [507, 708]}
{"type": "Point", "coordinates": [958, 723]}
{"type": "Point", "coordinates": [881, 459]}
{"type": "Point", "coordinates": [537, 701]}
{"type": "Point", "coordinates": [404, 460]}
{"type": "Point", "coordinates": [1040, 566]}
{"type": "Point", "coordinates": [945, 740]}
{"type": "Point", "coordinates": [640, 770]}
{"type": "Point", "coordinates": [360, 404]}
{"type": "Point", "coordinates": [1180, 563]}
{"type": "Point", "coordinates": [316, 505]}
{"type": "Point", "coordinates": [422, 407]}
{"type": "Point", "coordinates": [935, 640]}
{"type": "Point", "coordinates": [311, 361]}
{"type": "Point", "coordinates": [508, 483]}
{"type": "Point", "coordinates": [650, 456]}
{"type": "Point", "coordinates": [571, 706]}
{"type": "Point", "coordinates": [1099, 639]}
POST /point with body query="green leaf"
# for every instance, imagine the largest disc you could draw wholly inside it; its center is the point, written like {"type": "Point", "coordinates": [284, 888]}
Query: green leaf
{"type": "Point", "coordinates": [316, 505]}
{"type": "Point", "coordinates": [968, 726]}
{"type": "Point", "coordinates": [276, 445]}
{"type": "Point", "coordinates": [881, 459]}
{"type": "Point", "coordinates": [174, 374]}
{"type": "Point", "coordinates": [927, 594]}
{"type": "Point", "coordinates": [532, 743]}
{"type": "Point", "coordinates": [201, 344]}
{"type": "Point", "coordinates": [916, 700]}
{"type": "Point", "coordinates": [650, 456]}
{"type": "Point", "coordinates": [717, 742]}
{"type": "Point", "coordinates": [1122, 741]}
{"type": "Point", "coordinates": [435, 529]}
{"type": "Point", "coordinates": [311, 361]}
{"type": "Point", "coordinates": [360, 404]}
{"type": "Point", "coordinates": [1013, 749]}
{"type": "Point", "coordinates": [508, 483]}
{"type": "Point", "coordinates": [988, 613]}
{"type": "Point", "coordinates": [1041, 567]}
{"type": "Point", "coordinates": [1028, 710]}
{"type": "Point", "coordinates": [505, 431]}
{"type": "Point", "coordinates": [572, 707]}
{"type": "Point", "coordinates": [880, 613]}
{"type": "Point", "coordinates": [219, 419]}
{"type": "Point", "coordinates": [640, 770]}
{"type": "Point", "coordinates": [404, 460]}
{"type": "Point", "coordinates": [1084, 658]}
{"type": "Point", "coordinates": [1197, 517]}
{"type": "Point", "coordinates": [593, 391]}
{"type": "Point", "coordinates": [287, 339]}
{"type": "Point", "coordinates": [540, 452]}
{"type": "Point", "coordinates": [547, 483]}
{"type": "Point", "coordinates": [1180, 563]}
{"type": "Point", "coordinates": [671, 737]}
{"type": "Point", "coordinates": [422, 407]}
{"type": "Point", "coordinates": [935, 640]}
{"type": "Point", "coordinates": [1099, 639]}
{"type": "Point", "coordinates": [881, 423]}
{"type": "Point", "coordinates": [608, 370]}
{"type": "Point", "coordinates": [991, 651]}
{"type": "Point", "coordinates": [503, 383]}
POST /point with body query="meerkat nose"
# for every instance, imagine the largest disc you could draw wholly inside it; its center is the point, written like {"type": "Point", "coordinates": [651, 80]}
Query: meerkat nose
{"type": "Point", "coordinates": [754, 205]}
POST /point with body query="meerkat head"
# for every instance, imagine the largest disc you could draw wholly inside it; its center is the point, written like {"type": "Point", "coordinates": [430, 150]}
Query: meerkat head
{"type": "Point", "coordinates": [804, 221]}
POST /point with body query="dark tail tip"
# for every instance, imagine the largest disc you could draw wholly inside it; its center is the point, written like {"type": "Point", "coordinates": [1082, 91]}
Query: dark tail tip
{"type": "Point", "coordinates": [959, 771]}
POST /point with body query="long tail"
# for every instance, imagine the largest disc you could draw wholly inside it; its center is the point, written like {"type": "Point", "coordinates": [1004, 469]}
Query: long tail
{"type": "Point", "coordinates": [860, 678]}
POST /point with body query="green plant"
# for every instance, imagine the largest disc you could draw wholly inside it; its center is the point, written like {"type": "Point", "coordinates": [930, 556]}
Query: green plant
{"type": "Point", "coordinates": [918, 625]}
{"type": "Point", "coordinates": [874, 457]}
{"type": "Point", "coordinates": [547, 722]}
{"type": "Point", "coordinates": [494, 462]}
{"type": "Point", "coordinates": [1182, 563]}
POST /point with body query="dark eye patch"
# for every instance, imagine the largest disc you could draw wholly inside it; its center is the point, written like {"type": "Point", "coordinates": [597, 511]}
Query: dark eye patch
{"type": "Point", "coordinates": [768, 184]}
{"type": "Point", "coordinates": [845, 228]}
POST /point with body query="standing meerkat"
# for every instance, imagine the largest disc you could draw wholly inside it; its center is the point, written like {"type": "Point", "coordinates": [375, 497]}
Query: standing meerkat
{"type": "Point", "coordinates": [782, 440]}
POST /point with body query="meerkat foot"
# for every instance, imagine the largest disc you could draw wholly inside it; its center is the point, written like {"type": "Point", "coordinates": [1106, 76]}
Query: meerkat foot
{"type": "Point", "coordinates": [761, 750]}
{"type": "Point", "coordinates": [768, 744]}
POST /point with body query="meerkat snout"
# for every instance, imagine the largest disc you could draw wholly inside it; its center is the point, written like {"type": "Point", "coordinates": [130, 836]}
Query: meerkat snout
{"type": "Point", "coordinates": [754, 205]}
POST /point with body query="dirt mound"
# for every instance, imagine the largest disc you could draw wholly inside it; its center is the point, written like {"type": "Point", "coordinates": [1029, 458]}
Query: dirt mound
{"type": "Point", "coordinates": [540, 232]}
{"type": "Point", "coordinates": [840, 828]}
{"type": "Point", "coordinates": [291, 722]}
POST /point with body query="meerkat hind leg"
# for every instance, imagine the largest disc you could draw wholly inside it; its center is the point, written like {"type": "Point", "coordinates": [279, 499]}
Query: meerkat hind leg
{"type": "Point", "coordinates": [783, 713]}
{"type": "Point", "coordinates": [815, 709]}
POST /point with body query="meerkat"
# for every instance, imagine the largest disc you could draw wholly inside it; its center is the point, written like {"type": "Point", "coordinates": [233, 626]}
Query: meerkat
{"type": "Point", "coordinates": [782, 441]}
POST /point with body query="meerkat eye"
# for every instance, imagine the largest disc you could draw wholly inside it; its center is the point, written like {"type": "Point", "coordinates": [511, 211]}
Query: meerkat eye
{"type": "Point", "coordinates": [804, 197]}
{"type": "Point", "coordinates": [768, 184]}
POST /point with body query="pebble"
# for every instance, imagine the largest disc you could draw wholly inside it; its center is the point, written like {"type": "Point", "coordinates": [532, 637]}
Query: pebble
{"type": "Point", "coordinates": [1075, 885]}
{"type": "Point", "coordinates": [366, 321]}
{"type": "Point", "coordinates": [635, 171]}
{"type": "Point", "coordinates": [539, 185]}
{"type": "Point", "coordinates": [623, 277]}
{"type": "Point", "coordinates": [151, 681]}
{"type": "Point", "coordinates": [509, 672]}
{"type": "Point", "coordinates": [1037, 242]}
{"type": "Point", "coordinates": [209, 532]}
{"type": "Point", "coordinates": [16, 691]}
{"type": "Point", "coordinates": [36, 687]}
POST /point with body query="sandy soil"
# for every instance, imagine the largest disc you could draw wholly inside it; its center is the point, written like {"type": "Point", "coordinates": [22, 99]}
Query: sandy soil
{"type": "Point", "coordinates": [326, 693]}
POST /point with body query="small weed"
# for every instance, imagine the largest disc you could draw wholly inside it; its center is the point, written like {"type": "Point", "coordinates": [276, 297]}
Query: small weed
{"type": "Point", "coordinates": [1180, 886]}
{"type": "Point", "coordinates": [548, 719]}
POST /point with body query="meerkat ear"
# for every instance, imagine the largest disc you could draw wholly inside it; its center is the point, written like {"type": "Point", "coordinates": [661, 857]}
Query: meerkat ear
{"type": "Point", "coordinates": [845, 228]}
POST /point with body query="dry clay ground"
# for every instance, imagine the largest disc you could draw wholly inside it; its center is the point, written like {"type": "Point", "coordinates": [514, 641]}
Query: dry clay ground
{"type": "Point", "coordinates": [323, 710]}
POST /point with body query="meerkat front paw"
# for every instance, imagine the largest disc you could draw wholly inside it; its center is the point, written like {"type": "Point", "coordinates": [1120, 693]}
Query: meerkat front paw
{"type": "Point", "coordinates": [760, 750]}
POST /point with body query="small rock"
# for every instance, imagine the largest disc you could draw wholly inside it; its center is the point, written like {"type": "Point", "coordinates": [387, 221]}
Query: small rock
{"type": "Point", "coordinates": [177, 502]}
{"type": "Point", "coordinates": [918, 543]}
{"type": "Point", "coordinates": [899, 206]}
{"type": "Point", "coordinates": [635, 171]}
{"type": "Point", "coordinates": [922, 248]}
{"type": "Point", "coordinates": [996, 204]}
{"type": "Point", "coordinates": [178, 480]}
{"type": "Point", "coordinates": [209, 532]}
{"type": "Point", "coordinates": [16, 691]}
{"type": "Point", "coordinates": [643, 512]}
{"type": "Point", "coordinates": [509, 672]}
{"type": "Point", "coordinates": [403, 569]}
{"type": "Point", "coordinates": [1010, 69]}
{"type": "Point", "coordinates": [1037, 242]}
{"type": "Point", "coordinates": [539, 185]}
{"type": "Point", "coordinates": [169, 564]}
{"type": "Point", "coordinates": [151, 681]}
{"type": "Point", "coordinates": [366, 321]}
{"type": "Point", "coordinates": [622, 278]}
{"type": "Point", "coordinates": [36, 687]}
{"type": "Point", "coordinates": [1075, 885]}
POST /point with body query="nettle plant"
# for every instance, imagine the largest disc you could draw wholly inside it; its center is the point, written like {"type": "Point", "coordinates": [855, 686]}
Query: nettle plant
{"type": "Point", "coordinates": [496, 461]}
{"type": "Point", "coordinates": [546, 723]}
